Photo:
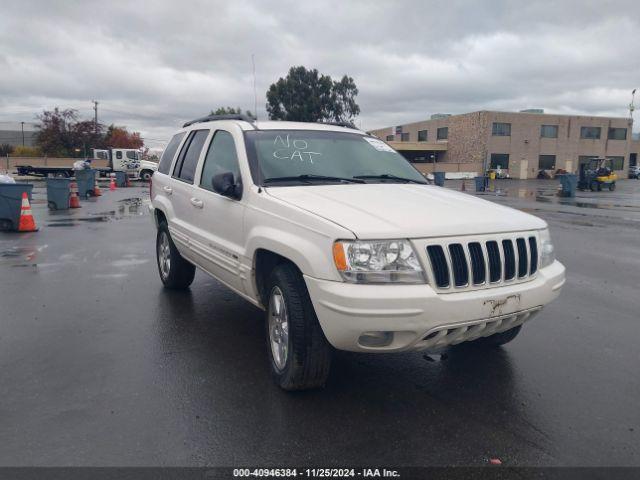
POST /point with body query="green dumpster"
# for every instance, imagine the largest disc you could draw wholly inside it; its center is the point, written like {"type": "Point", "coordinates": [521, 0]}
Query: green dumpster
{"type": "Point", "coordinates": [11, 204]}
{"type": "Point", "coordinates": [86, 180]}
{"type": "Point", "coordinates": [58, 193]}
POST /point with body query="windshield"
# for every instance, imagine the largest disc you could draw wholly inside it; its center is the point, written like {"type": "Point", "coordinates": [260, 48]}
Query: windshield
{"type": "Point", "coordinates": [304, 157]}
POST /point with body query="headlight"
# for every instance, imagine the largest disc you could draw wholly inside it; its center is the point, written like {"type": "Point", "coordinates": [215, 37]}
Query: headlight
{"type": "Point", "coordinates": [547, 252]}
{"type": "Point", "coordinates": [381, 261]}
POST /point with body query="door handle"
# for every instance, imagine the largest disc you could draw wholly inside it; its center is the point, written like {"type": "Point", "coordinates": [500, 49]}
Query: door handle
{"type": "Point", "coordinates": [197, 203]}
{"type": "Point", "coordinates": [168, 190]}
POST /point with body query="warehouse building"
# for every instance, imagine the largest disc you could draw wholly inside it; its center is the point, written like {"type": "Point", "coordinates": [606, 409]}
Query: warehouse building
{"type": "Point", "coordinates": [523, 143]}
{"type": "Point", "coordinates": [18, 134]}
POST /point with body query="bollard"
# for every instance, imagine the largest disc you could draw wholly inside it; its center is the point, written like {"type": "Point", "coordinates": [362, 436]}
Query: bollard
{"type": "Point", "coordinates": [438, 178]}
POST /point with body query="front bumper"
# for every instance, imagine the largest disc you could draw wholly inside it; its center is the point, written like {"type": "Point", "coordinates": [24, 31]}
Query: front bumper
{"type": "Point", "coordinates": [420, 318]}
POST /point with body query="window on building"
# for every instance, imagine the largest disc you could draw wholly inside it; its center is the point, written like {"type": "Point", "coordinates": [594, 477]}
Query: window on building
{"type": "Point", "coordinates": [617, 163]}
{"type": "Point", "coordinates": [167, 156]}
{"type": "Point", "coordinates": [399, 130]}
{"type": "Point", "coordinates": [422, 135]}
{"type": "Point", "coordinates": [547, 162]}
{"type": "Point", "coordinates": [500, 160]}
{"type": "Point", "coordinates": [549, 131]}
{"type": "Point", "coordinates": [404, 137]}
{"type": "Point", "coordinates": [390, 138]}
{"type": "Point", "coordinates": [443, 133]}
{"type": "Point", "coordinates": [617, 134]}
{"type": "Point", "coordinates": [590, 132]}
{"type": "Point", "coordinates": [501, 129]}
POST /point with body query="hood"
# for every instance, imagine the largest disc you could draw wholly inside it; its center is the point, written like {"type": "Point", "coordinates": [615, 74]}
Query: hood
{"type": "Point", "coordinates": [377, 211]}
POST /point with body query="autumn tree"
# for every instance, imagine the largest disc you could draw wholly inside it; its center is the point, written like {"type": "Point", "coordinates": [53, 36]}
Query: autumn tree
{"type": "Point", "coordinates": [120, 137]}
{"type": "Point", "coordinates": [308, 96]}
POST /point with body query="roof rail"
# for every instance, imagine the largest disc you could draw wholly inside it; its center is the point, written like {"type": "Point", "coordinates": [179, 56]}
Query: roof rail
{"type": "Point", "coordinates": [209, 118]}
{"type": "Point", "coordinates": [340, 124]}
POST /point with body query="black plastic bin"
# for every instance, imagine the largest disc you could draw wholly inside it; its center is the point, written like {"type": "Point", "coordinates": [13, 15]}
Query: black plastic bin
{"type": "Point", "coordinates": [58, 193]}
{"type": "Point", "coordinates": [568, 181]}
{"type": "Point", "coordinates": [86, 180]}
{"type": "Point", "coordinates": [438, 178]}
{"type": "Point", "coordinates": [481, 183]}
{"type": "Point", "coordinates": [11, 204]}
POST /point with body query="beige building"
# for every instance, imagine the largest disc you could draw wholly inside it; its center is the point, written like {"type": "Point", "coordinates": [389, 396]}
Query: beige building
{"type": "Point", "coordinates": [521, 142]}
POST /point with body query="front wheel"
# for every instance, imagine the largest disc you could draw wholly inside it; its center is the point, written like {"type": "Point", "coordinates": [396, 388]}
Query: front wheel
{"type": "Point", "coordinates": [175, 271]}
{"type": "Point", "coordinates": [612, 186]}
{"type": "Point", "coordinates": [145, 175]}
{"type": "Point", "coordinates": [299, 354]}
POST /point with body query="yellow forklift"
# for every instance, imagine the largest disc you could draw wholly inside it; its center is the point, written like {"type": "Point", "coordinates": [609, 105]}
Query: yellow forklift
{"type": "Point", "coordinates": [596, 174]}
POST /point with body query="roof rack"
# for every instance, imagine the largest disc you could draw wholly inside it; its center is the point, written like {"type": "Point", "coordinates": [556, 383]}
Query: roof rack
{"type": "Point", "coordinates": [209, 118]}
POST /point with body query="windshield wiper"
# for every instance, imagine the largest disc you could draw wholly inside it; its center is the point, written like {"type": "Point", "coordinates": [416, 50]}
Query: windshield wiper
{"type": "Point", "coordinates": [389, 176]}
{"type": "Point", "coordinates": [309, 176]}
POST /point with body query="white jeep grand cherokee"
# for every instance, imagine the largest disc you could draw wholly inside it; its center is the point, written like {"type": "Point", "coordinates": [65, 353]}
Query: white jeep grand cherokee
{"type": "Point", "coordinates": [343, 243]}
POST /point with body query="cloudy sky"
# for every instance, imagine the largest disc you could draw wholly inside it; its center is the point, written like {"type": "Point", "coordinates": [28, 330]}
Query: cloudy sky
{"type": "Point", "coordinates": [155, 64]}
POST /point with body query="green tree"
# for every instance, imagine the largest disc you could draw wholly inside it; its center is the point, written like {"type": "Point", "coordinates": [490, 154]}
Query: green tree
{"type": "Point", "coordinates": [308, 96]}
{"type": "Point", "coordinates": [231, 111]}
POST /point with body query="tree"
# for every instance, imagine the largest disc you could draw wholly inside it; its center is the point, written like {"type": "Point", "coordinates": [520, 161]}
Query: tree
{"type": "Point", "coordinates": [6, 149]}
{"type": "Point", "coordinates": [55, 131]}
{"type": "Point", "coordinates": [120, 137]}
{"type": "Point", "coordinates": [308, 96]}
{"type": "Point", "coordinates": [231, 111]}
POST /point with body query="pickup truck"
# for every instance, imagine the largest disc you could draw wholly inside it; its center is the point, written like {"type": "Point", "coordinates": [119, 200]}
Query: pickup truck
{"type": "Point", "coordinates": [343, 243]}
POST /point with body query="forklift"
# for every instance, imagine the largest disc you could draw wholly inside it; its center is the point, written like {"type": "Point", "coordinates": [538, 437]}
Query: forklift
{"type": "Point", "coordinates": [595, 174]}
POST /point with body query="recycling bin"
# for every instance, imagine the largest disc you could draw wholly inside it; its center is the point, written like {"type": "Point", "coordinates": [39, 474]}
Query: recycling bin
{"type": "Point", "coordinates": [438, 178]}
{"type": "Point", "coordinates": [86, 180]}
{"type": "Point", "coordinates": [11, 204]}
{"type": "Point", "coordinates": [58, 193]}
{"type": "Point", "coordinates": [568, 182]}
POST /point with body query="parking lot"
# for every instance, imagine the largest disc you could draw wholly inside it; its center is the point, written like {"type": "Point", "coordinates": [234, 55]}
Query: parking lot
{"type": "Point", "coordinates": [99, 365]}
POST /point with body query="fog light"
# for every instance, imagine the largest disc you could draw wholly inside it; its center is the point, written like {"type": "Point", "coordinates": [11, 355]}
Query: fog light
{"type": "Point", "coordinates": [375, 339]}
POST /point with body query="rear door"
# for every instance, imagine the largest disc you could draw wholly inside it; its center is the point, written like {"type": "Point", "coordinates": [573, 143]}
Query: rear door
{"type": "Point", "coordinates": [181, 228]}
{"type": "Point", "coordinates": [218, 221]}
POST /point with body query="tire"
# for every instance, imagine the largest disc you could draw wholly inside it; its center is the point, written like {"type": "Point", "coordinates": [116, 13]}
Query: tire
{"type": "Point", "coordinates": [175, 272]}
{"type": "Point", "coordinates": [299, 354]}
{"type": "Point", "coordinates": [612, 186]}
{"type": "Point", "coordinates": [497, 339]}
{"type": "Point", "coordinates": [145, 175]}
{"type": "Point", "coordinates": [594, 186]}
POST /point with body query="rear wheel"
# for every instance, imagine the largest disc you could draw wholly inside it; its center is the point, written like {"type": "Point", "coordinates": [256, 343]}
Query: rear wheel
{"type": "Point", "coordinates": [299, 354]}
{"type": "Point", "coordinates": [175, 271]}
{"type": "Point", "coordinates": [594, 186]}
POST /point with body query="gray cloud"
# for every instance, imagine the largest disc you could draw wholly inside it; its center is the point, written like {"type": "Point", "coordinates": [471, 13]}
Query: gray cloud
{"type": "Point", "coordinates": [153, 65]}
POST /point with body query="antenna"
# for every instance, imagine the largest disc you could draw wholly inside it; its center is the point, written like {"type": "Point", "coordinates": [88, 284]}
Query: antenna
{"type": "Point", "coordinates": [255, 94]}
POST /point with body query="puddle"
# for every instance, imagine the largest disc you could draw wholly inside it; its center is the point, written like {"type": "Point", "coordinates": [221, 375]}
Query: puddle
{"type": "Point", "coordinates": [21, 256]}
{"type": "Point", "coordinates": [127, 207]}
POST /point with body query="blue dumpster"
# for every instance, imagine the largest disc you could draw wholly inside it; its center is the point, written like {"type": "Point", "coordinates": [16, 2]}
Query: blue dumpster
{"type": "Point", "coordinates": [11, 203]}
{"type": "Point", "coordinates": [481, 183]}
{"type": "Point", "coordinates": [568, 181]}
{"type": "Point", "coordinates": [58, 193]}
{"type": "Point", "coordinates": [438, 178]}
{"type": "Point", "coordinates": [121, 179]}
{"type": "Point", "coordinates": [86, 180]}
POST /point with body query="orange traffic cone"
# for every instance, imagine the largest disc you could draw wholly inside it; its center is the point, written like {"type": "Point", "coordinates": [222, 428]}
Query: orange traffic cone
{"type": "Point", "coordinates": [96, 189]}
{"type": "Point", "coordinates": [27, 223]}
{"type": "Point", "coordinates": [112, 183]}
{"type": "Point", "coordinates": [74, 199]}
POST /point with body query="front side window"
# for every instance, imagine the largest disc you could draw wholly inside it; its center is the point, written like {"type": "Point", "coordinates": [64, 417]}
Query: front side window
{"type": "Point", "coordinates": [499, 160]}
{"type": "Point", "coordinates": [185, 168]}
{"type": "Point", "coordinates": [549, 131]}
{"type": "Point", "coordinates": [617, 134]}
{"type": "Point", "coordinates": [443, 133]}
{"type": "Point", "coordinates": [547, 162]}
{"type": "Point", "coordinates": [167, 156]}
{"type": "Point", "coordinates": [501, 129]}
{"type": "Point", "coordinates": [221, 157]}
{"type": "Point", "coordinates": [590, 132]}
{"type": "Point", "coordinates": [309, 157]}
{"type": "Point", "coordinates": [422, 135]}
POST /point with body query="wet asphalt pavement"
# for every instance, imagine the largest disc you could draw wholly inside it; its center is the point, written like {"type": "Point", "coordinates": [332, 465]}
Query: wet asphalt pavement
{"type": "Point", "coordinates": [101, 366]}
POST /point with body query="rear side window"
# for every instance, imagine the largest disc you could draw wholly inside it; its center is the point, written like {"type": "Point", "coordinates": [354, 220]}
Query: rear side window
{"type": "Point", "coordinates": [221, 158]}
{"type": "Point", "coordinates": [169, 153]}
{"type": "Point", "coordinates": [189, 155]}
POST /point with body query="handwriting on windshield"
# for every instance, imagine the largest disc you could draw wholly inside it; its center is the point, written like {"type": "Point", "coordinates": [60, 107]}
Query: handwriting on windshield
{"type": "Point", "coordinates": [292, 149]}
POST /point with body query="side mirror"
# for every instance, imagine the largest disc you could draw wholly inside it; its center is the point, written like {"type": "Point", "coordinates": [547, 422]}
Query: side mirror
{"type": "Point", "coordinates": [225, 185]}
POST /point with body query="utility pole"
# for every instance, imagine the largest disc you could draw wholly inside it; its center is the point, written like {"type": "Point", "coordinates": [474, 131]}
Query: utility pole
{"type": "Point", "coordinates": [95, 120]}
{"type": "Point", "coordinates": [22, 125]}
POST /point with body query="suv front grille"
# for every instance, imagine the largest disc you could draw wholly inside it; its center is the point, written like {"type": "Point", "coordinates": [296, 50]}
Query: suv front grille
{"type": "Point", "coordinates": [483, 263]}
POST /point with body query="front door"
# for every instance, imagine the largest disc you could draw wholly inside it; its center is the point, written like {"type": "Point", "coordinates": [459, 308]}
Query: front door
{"type": "Point", "coordinates": [218, 220]}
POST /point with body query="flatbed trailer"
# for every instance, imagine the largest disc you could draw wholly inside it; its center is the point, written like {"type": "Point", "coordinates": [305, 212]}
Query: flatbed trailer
{"type": "Point", "coordinates": [55, 171]}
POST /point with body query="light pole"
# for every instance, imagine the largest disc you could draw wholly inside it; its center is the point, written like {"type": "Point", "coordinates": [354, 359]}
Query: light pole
{"type": "Point", "coordinates": [22, 125]}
